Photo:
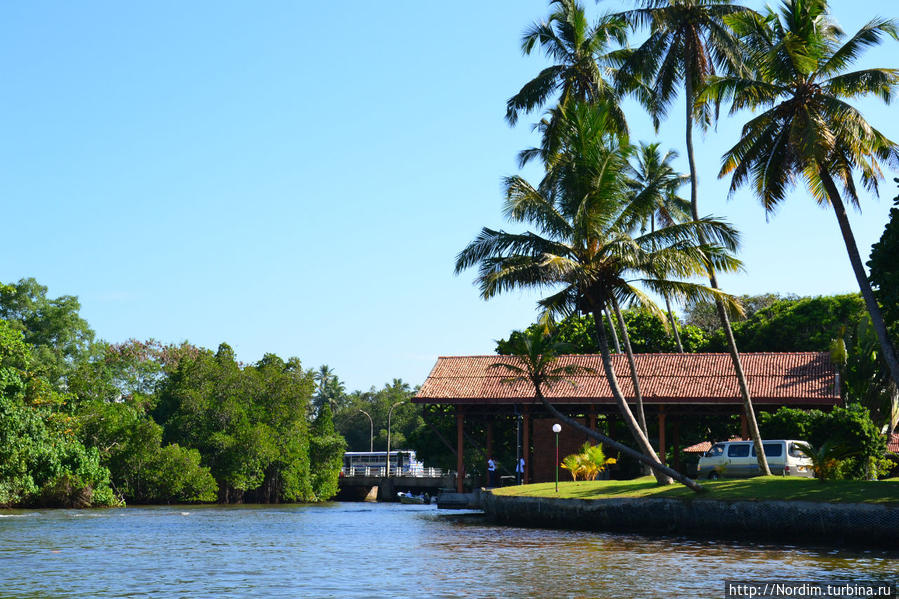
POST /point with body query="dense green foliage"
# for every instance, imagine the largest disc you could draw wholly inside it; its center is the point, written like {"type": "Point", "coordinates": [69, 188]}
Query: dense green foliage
{"type": "Point", "coordinates": [92, 423]}
{"type": "Point", "coordinates": [41, 460]}
{"type": "Point", "coordinates": [884, 266]}
{"type": "Point", "coordinates": [848, 427]}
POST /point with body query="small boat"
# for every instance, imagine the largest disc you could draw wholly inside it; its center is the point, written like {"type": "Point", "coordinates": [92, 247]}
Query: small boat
{"type": "Point", "coordinates": [413, 499]}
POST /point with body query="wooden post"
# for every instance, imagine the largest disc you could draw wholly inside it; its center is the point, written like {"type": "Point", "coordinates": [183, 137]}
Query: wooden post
{"type": "Point", "coordinates": [677, 444]}
{"type": "Point", "coordinates": [526, 441]}
{"type": "Point", "coordinates": [744, 426]}
{"type": "Point", "coordinates": [460, 464]}
{"type": "Point", "coordinates": [662, 434]}
{"type": "Point", "coordinates": [489, 437]}
{"type": "Point", "coordinates": [591, 418]}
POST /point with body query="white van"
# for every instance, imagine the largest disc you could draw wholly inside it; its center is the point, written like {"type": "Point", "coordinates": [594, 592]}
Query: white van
{"type": "Point", "coordinates": [737, 459]}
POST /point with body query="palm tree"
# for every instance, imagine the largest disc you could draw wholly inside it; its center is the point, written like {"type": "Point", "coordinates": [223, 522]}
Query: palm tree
{"type": "Point", "coordinates": [808, 130]}
{"type": "Point", "coordinates": [584, 245]}
{"type": "Point", "coordinates": [655, 182]}
{"type": "Point", "coordinates": [689, 42]}
{"type": "Point", "coordinates": [583, 66]}
{"type": "Point", "coordinates": [536, 362]}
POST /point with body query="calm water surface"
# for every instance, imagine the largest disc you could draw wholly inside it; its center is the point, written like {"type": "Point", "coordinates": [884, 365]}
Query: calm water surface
{"type": "Point", "coordinates": [374, 550]}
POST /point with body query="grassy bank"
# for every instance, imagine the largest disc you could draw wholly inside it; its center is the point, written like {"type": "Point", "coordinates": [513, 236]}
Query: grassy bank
{"type": "Point", "coordinates": [752, 489]}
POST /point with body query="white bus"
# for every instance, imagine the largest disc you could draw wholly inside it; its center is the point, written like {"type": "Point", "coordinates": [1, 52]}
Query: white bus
{"type": "Point", "coordinates": [371, 463]}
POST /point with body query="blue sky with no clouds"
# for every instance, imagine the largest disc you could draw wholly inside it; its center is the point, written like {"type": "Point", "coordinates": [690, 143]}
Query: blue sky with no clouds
{"type": "Point", "coordinates": [297, 177]}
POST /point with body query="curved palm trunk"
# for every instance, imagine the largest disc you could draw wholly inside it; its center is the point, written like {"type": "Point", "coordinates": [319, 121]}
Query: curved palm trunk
{"type": "Point", "coordinates": [722, 312]}
{"type": "Point", "coordinates": [642, 441]}
{"type": "Point", "coordinates": [638, 396]}
{"type": "Point", "coordinates": [659, 469]}
{"type": "Point", "coordinates": [614, 332]}
{"type": "Point", "coordinates": [673, 321]}
{"type": "Point", "coordinates": [886, 347]}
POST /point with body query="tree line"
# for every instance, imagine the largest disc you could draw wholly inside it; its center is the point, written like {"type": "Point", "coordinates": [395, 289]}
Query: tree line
{"type": "Point", "coordinates": [84, 422]}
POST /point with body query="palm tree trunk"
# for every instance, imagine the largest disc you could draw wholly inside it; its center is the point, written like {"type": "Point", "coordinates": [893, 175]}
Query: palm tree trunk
{"type": "Point", "coordinates": [722, 311]}
{"type": "Point", "coordinates": [886, 347]}
{"type": "Point", "coordinates": [680, 347]}
{"type": "Point", "coordinates": [659, 469]}
{"type": "Point", "coordinates": [642, 441]}
{"type": "Point", "coordinates": [614, 332]}
{"type": "Point", "coordinates": [638, 396]}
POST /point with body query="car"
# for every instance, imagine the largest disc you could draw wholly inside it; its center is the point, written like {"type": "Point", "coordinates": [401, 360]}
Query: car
{"type": "Point", "coordinates": [737, 459]}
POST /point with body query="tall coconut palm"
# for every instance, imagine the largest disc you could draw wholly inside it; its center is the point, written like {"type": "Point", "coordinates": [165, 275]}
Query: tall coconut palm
{"type": "Point", "coordinates": [536, 357]}
{"type": "Point", "coordinates": [583, 66]}
{"type": "Point", "coordinates": [689, 42]}
{"type": "Point", "coordinates": [655, 182]}
{"type": "Point", "coordinates": [584, 243]}
{"type": "Point", "coordinates": [807, 129]}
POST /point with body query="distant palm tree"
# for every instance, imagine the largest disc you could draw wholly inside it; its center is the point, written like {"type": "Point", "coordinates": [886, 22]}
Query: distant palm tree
{"type": "Point", "coordinates": [654, 181]}
{"type": "Point", "coordinates": [583, 69]}
{"type": "Point", "coordinates": [584, 244]}
{"type": "Point", "coordinates": [690, 41]}
{"type": "Point", "coordinates": [806, 129]}
{"type": "Point", "coordinates": [537, 356]}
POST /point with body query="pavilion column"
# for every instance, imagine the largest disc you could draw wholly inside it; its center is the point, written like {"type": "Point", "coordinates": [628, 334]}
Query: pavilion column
{"type": "Point", "coordinates": [489, 436]}
{"type": "Point", "coordinates": [676, 443]}
{"type": "Point", "coordinates": [662, 434]}
{"type": "Point", "coordinates": [460, 447]}
{"type": "Point", "coordinates": [526, 441]}
{"type": "Point", "coordinates": [591, 418]}
{"type": "Point", "coordinates": [744, 426]}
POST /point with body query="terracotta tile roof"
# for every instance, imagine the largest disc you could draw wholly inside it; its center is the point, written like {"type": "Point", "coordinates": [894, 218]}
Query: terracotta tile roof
{"type": "Point", "coordinates": [893, 443]}
{"type": "Point", "coordinates": [779, 378]}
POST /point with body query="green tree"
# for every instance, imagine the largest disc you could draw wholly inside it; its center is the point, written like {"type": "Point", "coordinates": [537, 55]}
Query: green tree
{"type": "Point", "coordinates": [326, 449]}
{"type": "Point", "coordinates": [59, 336]}
{"type": "Point", "coordinates": [804, 127]}
{"type": "Point", "coordinates": [582, 60]}
{"type": "Point", "coordinates": [583, 244]}
{"type": "Point", "coordinates": [41, 461]}
{"type": "Point", "coordinates": [885, 270]}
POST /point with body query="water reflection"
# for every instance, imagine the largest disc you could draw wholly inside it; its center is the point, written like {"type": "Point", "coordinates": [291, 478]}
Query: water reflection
{"type": "Point", "coordinates": [366, 550]}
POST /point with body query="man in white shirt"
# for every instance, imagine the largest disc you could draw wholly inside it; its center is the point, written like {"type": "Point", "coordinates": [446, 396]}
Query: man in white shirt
{"type": "Point", "coordinates": [491, 472]}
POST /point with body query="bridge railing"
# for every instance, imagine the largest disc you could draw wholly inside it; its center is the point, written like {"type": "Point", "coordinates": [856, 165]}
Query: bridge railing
{"type": "Point", "coordinates": [376, 471]}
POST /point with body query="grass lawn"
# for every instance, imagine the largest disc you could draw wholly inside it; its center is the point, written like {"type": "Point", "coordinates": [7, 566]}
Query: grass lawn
{"type": "Point", "coordinates": [759, 488]}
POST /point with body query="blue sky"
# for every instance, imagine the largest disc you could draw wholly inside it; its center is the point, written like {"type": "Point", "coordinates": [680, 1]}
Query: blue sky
{"type": "Point", "coordinates": [297, 177]}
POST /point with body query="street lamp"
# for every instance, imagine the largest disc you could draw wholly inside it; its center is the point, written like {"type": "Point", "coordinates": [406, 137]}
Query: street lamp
{"type": "Point", "coordinates": [557, 428]}
{"type": "Point", "coordinates": [389, 412]}
{"type": "Point", "coordinates": [371, 434]}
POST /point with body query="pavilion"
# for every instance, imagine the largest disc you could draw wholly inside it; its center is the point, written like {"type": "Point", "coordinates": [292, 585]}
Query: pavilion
{"type": "Point", "coordinates": [674, 387]}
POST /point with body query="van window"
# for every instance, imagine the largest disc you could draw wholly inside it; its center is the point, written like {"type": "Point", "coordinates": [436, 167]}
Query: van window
{"type": "Point", "coordinates": [738, 450]}
{"type": "Point", "coordinates": [772, 450]}
{"type": "Point", "coordinates": [796, 452]}
{"type": "Point", "coordinates": [716, 450]}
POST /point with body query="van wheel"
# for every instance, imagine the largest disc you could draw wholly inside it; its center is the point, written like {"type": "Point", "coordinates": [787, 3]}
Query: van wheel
{"type": "Point", "coordinates": [713, 475]}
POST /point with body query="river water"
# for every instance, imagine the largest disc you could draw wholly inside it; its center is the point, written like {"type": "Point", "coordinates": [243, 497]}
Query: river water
{"type": "Point", "coordinates": [375, 550]}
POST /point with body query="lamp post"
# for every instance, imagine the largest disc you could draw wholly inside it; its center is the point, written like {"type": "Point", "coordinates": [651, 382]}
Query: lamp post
{"type": "Point", "coordinates": [371, 433]}
{"type": "Point", "coordinates": [389, 413]}
{"type": "Point", "coordinates": [557, 428]}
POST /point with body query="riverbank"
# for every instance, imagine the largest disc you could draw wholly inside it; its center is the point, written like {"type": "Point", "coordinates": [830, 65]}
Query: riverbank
{"type": "Point", "coordinates": [771, 508]}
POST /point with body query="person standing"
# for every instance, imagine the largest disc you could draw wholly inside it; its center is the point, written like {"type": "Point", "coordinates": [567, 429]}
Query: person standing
{"type": "Point", "coordinates": [491, 472]}
{"type": "Point", "coordinates": [519, 470]}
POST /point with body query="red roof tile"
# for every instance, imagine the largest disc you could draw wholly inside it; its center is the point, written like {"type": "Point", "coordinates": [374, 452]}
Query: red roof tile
{"type": "Point", "coordinates": [791, 378]}
{"type": "Point", "coordinates": [893, 443]}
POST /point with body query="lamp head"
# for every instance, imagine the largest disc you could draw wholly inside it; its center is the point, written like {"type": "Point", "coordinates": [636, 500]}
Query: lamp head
{"type": "Point", "coordinates": [557, 428]}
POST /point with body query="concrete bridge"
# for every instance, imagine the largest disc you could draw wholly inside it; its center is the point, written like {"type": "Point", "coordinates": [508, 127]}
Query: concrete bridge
{"type": "Point", "coordinates": [359, 484]}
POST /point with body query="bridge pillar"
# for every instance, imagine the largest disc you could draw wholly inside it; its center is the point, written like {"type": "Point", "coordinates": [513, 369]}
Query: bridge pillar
{"type": "Point", "coordinates": [385, 490]}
